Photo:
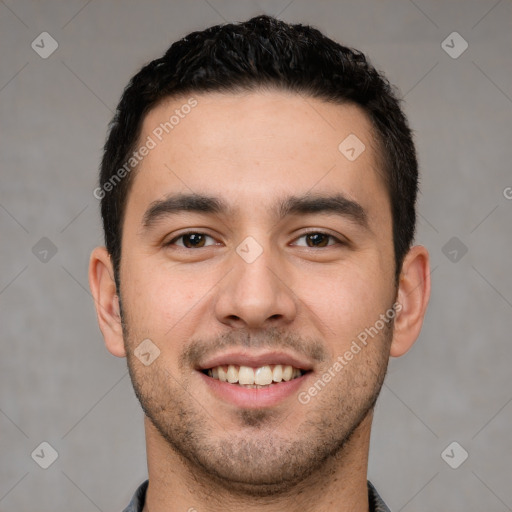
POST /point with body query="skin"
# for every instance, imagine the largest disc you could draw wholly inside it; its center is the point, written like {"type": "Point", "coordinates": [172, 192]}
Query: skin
{"type": "Point", "coordinates": [252, 149]}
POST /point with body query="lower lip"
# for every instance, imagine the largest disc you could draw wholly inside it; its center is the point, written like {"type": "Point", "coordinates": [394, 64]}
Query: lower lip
{"type": "Point", "coordinates": [254, 398]}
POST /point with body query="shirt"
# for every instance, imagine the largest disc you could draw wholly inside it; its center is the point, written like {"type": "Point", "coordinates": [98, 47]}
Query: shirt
{"type": "Point", "coordinates": [137, 503]}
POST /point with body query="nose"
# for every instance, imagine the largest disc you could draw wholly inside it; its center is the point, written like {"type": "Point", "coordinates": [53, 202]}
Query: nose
{"type": "Point", "coordinates": [256, 295]}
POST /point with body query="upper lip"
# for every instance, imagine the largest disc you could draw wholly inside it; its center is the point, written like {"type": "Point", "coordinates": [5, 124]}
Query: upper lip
{"type": "Point", "coordinates": [255, 360]}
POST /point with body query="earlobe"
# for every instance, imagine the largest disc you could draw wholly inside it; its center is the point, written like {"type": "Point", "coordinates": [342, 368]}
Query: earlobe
{"type": "Point", "coordinates": [103, 289]}
{"type": "Point", "coordinates": [413, 297]}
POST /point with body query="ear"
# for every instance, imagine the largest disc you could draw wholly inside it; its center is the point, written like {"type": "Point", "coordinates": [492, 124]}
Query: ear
{"type": "Point", "coordinates": [103, 288]}
{"type": "Point", "coordinates": [413, 296]}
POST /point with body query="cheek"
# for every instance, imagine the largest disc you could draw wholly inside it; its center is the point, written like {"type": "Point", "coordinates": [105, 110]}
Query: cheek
{"type": "Point", "coordinates": [158, 297]}
{"type": "Point", "coordinates": [345, 300]}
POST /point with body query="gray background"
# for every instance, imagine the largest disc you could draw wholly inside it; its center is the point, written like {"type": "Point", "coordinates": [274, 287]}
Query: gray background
{"type": "Point", "coordinates": [57, 381]}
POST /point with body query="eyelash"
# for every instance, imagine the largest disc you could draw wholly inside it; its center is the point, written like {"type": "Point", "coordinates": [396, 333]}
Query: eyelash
{"type": "Point", "coordinates": [338, 241]}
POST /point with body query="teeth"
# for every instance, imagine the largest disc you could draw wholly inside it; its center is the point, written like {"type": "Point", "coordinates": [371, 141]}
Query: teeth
{"type": "Point", "coordinates": [246, 375]}
{"type": "Point", "coordinates": [222, 374]}
{"type": "Point", "coordinates": [254, 377]}
{"type": "Point", "coordinates": [263, 376]}
{"type": "Point", "coordinates": [287, 373]}
{"type": "Point", "coordinates": [277, 374]}
{"type": "Point", "coordinates": [232, 374]}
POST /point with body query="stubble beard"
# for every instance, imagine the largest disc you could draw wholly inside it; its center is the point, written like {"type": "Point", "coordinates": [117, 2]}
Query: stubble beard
{"type": "Point", "coordinates": [255, 458]}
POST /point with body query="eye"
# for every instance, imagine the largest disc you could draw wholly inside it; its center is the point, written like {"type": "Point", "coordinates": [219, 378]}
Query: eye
{"type": "Point", "coordinates": [197, 240]}
{"type": "Point", "coordinates": [318, 239]}
{"type": "Point", "coordinates": [190, 240]}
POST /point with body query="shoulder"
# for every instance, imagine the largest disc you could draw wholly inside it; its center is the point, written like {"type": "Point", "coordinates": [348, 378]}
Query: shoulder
{"type": "Point", "coordinates": [137, 502]}
{"type": "Point", "coordinates": [375, 501]}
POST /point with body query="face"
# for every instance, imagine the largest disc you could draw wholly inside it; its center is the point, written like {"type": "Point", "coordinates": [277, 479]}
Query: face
{"type": "Point", "coordinates": [252, 244]}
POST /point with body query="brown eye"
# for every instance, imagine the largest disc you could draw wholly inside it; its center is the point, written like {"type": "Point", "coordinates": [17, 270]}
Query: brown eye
{"type": "Point", "coordinates": [318, 239]}
{"type": "Point", "coordinates": [191, 240]}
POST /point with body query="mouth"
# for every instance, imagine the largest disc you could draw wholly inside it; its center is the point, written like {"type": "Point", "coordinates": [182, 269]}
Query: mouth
{"type": "Point", "coordinates": [254, 378]}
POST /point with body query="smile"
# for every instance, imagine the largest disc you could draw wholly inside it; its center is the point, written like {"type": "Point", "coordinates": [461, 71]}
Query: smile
{"type": "Point", "coordinates": [249, 377]}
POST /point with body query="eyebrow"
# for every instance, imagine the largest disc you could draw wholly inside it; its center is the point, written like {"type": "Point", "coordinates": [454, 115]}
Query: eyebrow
{"type": "Point", "coordinates": [335, 204]}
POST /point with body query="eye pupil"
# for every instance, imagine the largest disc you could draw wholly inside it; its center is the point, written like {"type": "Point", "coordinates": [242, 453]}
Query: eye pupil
{"type": "Point", "coordinates": [194, 238]}
{"type": "Point", "coordinates": [315, 237]}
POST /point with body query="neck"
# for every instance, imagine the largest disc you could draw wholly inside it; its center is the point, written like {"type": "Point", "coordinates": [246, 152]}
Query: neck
{"type": "Point", "coordinates": [176, 484]}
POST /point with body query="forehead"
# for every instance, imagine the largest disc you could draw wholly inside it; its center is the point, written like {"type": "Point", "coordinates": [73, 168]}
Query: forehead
{"type": "Point", "coordinates": [252, 147]}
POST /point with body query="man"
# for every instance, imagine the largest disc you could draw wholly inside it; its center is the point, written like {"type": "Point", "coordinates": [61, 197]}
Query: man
{"type": "Point", "coordinates": [258, 192]}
